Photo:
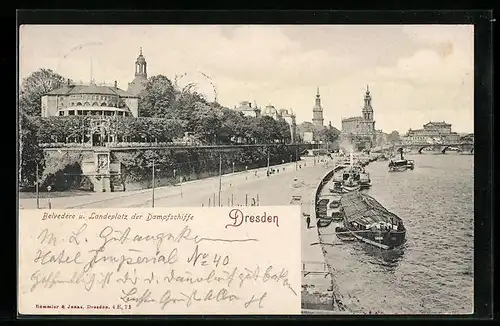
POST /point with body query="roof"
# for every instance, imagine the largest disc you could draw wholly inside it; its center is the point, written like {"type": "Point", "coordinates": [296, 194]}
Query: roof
{"type": "Point", "coordinates": [94, 108]}
{"type": "Point", "coordinates": [353, 119]}
{"type": "Point", "coordinates": [90, 89]}
{"type": "Point", "coordinates": [440, 123]}
{"type": "Point", "coordinates": [364, 209]}
{"type": "Point", "coordinates": [246, 106]}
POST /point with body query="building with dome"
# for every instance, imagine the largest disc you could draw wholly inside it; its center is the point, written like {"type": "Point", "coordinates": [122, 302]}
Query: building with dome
{"type": "Point", "coordinates": [97, 100]}
{"type": "Point", "coordinates": [360, 131]}
{"type": "Point", "coordinates": [284, 114]}
{"type": "Point", "coordinates": [248, 110]}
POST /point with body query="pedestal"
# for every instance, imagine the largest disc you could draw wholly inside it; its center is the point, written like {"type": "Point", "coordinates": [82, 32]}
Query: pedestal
{"type": "Point", "coordinates": [102, 180]}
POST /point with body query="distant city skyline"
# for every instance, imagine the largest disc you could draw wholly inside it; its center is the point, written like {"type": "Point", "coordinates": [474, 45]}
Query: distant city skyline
{"type": "Point", "coordinates": [416, 73]}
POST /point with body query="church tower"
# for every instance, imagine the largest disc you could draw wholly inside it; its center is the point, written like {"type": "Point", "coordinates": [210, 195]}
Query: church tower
{"type": "Point", "coordinates": [367, 108]}
{"type": "Point", "coordinates": [317, 119]}
{"type": "Point", "coordinates": [141, 75]}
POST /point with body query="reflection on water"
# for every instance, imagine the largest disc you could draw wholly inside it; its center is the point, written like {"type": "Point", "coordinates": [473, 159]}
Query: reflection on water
{"type": "Point", "coordinates": [385, 258]}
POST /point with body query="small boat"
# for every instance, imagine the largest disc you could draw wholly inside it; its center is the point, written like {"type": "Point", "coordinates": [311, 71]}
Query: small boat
{"type": "Point", "coordinates": [323, 220]}
{"type": "Point", "coordinates": [398, 165]}
{"type": "Point", "coordinates": [333, 208]}
{"type": "Point", "coordinates": [402, 164]}
{"type": "Point", "coordinates": [368, 221]}
{"type": "Point", "coordinates": [364, 180]}
{"type": "Point", "coordinates": [351, 185]}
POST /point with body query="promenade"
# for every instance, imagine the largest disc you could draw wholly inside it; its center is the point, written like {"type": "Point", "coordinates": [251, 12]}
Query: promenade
{"type": "Point", "coordinates": [183, 194]}
{"type": "Point", "coordinates": [237, 189]}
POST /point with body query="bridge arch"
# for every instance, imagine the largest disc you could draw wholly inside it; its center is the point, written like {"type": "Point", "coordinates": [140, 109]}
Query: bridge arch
{"type": "Point", "coordinates": [422, 147]}
{"type": "Point", "coordinates": [443, 151]}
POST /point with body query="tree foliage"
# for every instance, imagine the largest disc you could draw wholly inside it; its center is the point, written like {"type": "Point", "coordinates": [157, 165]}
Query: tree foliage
{"type": "Point", "coordinates": [328, 134]}
{"type": "Point", "coordinates": [394, 137]}
{"type": "Point", "coordinates": [158, 98]}
{"type": "Point", "coordinates": [30, 154]}
{"type": "Point", "coordinates": [35, 86]}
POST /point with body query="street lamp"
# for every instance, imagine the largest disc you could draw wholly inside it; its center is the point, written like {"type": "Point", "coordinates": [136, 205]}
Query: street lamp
{"type": "Point", "coordinates": [49, 188]}
{"type": "Point", "coordinates": [233, 167]}
{"type": "Point", "coordinates": [37, 182]}
{"type": "Point", "coordinates": [153, 193]}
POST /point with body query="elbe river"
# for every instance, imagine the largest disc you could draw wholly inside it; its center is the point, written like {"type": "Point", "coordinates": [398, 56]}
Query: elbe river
{"type": "Point", "coordinates": [433, 273]}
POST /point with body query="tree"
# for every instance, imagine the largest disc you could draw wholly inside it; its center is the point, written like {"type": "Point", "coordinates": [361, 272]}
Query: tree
{"type": "Point", "coordinates": [285, 134]}
{"type": "Point", "coordinates": [305, 126]}
{"type": "Point", "coordinates": [30, 154]}
{"type": "Point", "coordinates": [35, 86]}
{"type": "Point", "coordinates": [233, 125]}
{"type": "Point", "coordinates": [394, 137]}
{"type": "Point", "coordinates": [157, 99]}
{"type": "Point", "coordinates": [207, 122]}
{"type": "Point", "coordinates": [328, 134]}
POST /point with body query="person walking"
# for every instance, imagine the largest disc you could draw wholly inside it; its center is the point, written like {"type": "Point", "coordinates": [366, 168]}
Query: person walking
{"type": "Point", "coordinates": [308, 221]}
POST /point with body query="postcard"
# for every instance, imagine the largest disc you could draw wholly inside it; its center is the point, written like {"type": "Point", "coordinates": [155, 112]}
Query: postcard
{"type": "Point", "coordinates": [160, 261]}
{"type": "Point", "coordinates": [359, 139]}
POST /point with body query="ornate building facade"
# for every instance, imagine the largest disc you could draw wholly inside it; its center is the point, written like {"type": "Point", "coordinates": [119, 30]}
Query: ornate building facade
{"type": "Point", "coordinates": [432, 132]}
{"type": "Point", "coordinates": [98, 100]}
{"type": "Point", "coordinates": [89, 99]}
{"type": "Point", "coordinates": [360, 131]}
{"type": "Point", "coordinates": [317, 119]}
{"type": "Point", "coordinates": [248, 110]}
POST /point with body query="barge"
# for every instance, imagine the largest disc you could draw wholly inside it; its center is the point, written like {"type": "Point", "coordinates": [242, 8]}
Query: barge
{"type": "Point", "coordinates": [368, 221]}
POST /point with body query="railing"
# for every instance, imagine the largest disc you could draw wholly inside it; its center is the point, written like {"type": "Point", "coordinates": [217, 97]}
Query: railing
{"type": "Point", "coordinates": [148, 145]}
{"type": "Point", "coordinates": [308, 268]}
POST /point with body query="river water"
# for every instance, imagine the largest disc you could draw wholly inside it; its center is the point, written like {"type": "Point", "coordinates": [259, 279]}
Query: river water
{"type": "Point", "coordinates": [433, 273]}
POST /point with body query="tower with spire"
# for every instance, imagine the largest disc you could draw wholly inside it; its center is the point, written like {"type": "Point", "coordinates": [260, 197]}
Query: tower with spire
{"type": "Point", "coordinates": [317, 119]}
{"type": "Point", "coordinates": [141, 75]}
{"type": "Point", "coordinates": [367, 108]}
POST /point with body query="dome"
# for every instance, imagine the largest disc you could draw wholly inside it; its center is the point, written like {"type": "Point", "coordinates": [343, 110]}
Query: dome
{"type": "Point", "coordinates": [141, 58]}
{"type": "Point", "coordinates": [270, 110]}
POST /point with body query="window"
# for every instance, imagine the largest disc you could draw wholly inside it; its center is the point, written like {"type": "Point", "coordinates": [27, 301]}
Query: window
{"type": "Point", "coordinates": [95, 104]}
{"type": "Point", "coordinates": [79, 112]}
{"type": "Point", "coordinates": [79, 103]}
{"type": "Point", "coordinates": [86, 103]}
{"type": "Point", "coordinates": [71, 112]}
{"type": "Point", "coordinates": [61, 113]}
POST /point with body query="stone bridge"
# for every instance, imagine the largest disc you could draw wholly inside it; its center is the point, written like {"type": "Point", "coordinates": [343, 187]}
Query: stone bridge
{"type": "Point", "coordinates": [464, 147]}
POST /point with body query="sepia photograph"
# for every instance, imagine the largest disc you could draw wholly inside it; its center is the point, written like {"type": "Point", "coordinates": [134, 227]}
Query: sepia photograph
{"type": "Point", "coordinates": [368, 128]}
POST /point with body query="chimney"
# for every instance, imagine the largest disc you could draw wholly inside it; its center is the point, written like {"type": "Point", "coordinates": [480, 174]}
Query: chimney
{"type": "Point", "coordinates": [116, 84]}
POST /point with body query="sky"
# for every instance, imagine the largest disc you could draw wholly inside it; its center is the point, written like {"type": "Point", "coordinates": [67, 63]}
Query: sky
{"type": "Point", "coordinates": [416, 73]}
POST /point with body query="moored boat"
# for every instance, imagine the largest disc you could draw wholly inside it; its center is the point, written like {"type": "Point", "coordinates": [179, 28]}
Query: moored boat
{"type": "Point", "coordinates": [351, 185]}
{"type": "Point", "coordinates": [333, 207]}
{"type": "Point", "coordinates": [344, 234]}
{"type": "Point", "coordinates": [368, 221]}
